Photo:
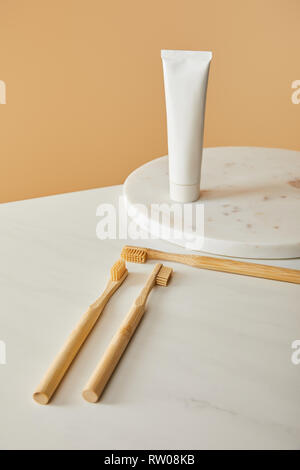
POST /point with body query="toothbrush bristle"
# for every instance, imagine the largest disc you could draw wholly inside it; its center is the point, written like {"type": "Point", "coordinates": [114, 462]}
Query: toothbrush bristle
{"type": "Point", "coordinates": [163, 276]}
{"type": "Point", "coordinates": [134, 254]}
{"type": "Point", "coordinates": [118, 270]}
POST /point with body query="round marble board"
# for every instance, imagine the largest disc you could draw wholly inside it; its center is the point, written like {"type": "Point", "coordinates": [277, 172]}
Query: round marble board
{"type": "Point", "coordinates": [250, 201]}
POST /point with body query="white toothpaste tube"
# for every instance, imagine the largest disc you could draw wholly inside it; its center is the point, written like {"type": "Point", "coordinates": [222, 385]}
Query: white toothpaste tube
{"type": "Point", "coordinates": [185, 77]}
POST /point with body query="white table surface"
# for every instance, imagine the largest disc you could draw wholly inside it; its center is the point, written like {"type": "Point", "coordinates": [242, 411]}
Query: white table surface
{"type": "Point", "coordinates": [209, 367]}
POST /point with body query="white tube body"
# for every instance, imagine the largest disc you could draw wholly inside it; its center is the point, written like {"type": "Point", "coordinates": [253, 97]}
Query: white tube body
{"type": "Point", "coordinates": [185, 78]}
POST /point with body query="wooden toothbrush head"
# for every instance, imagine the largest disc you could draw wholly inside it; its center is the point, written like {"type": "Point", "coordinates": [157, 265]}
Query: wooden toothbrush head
{"type": "Point", "coordinates": [118, 270]}
{"type": "Point", "coordinates": [134, 254]}
{"type": "Point", "coordinates": [163, 276]}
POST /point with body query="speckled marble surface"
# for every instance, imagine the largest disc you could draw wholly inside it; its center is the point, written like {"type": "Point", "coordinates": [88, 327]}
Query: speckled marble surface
{"type": "Point", "coordinates": [250, 196]}
{"type": "Point", "coordinates": [209, 367]}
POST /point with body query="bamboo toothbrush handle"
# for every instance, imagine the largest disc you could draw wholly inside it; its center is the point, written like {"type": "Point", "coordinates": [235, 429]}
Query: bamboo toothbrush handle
{"type": "Point", "coordinates": [113, 354]}
{"type": "Point", "coordinates": [65, 357]}
{"type": "Point", "coordinates": [231, 266]}
{"type": "Point", "coordinates": [249, 269]}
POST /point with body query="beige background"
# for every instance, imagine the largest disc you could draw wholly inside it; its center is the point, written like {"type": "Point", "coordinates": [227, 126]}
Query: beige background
{"type": "Point", "coordinates": [85, 100]}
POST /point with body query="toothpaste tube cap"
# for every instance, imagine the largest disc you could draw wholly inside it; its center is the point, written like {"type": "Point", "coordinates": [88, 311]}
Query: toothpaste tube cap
{"type": "Point", "coordinates": [184, 192]}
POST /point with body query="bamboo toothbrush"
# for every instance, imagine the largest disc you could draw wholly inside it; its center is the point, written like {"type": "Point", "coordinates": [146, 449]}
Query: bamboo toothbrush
{"type": "Point", "coordinates": [95, 386]}
{"type": "Point", "coordinates": [65, 357]}
{"type": "Point", "coordinates": [135, 254]}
